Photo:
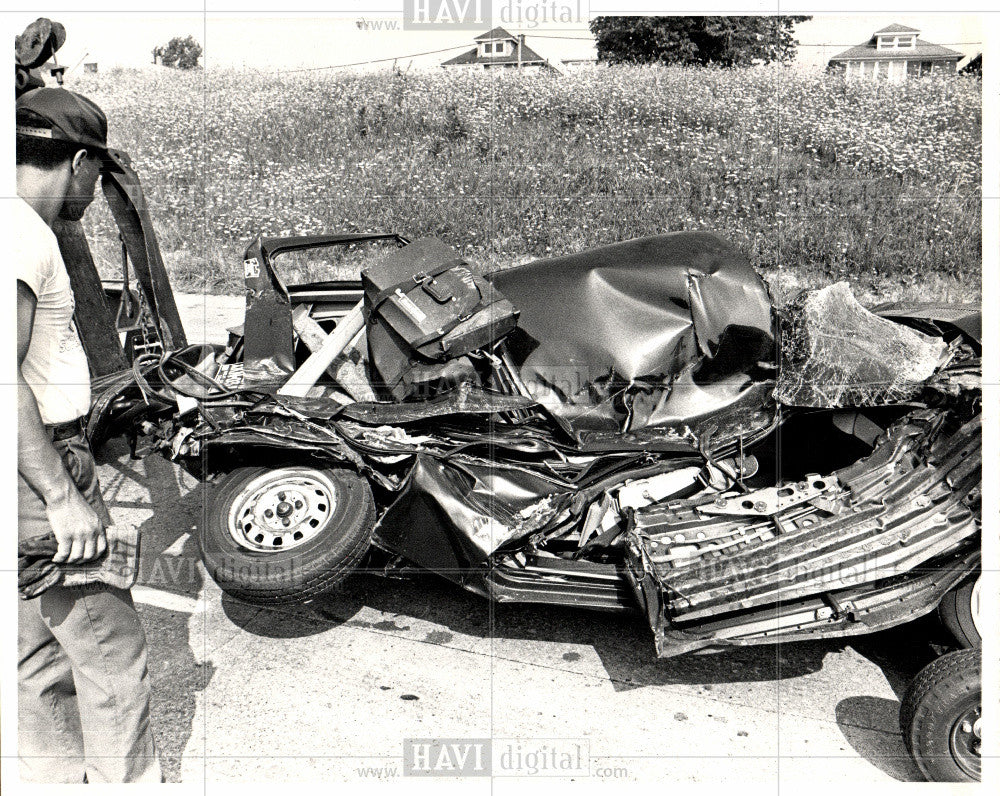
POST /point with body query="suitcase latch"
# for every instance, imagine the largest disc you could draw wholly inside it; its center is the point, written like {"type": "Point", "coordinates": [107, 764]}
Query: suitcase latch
{"type": "Point", "coordinates": [438, 291]}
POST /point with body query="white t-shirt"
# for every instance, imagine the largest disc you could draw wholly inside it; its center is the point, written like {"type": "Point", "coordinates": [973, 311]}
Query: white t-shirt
{"type": "Point", "coordinates": [56, 365]}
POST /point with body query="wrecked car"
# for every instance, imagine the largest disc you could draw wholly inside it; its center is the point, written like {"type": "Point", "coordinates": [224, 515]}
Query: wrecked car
{"type": "Point", "coordinates": [635, 427]}
{"type": "Point", "coordinates": [631, 428]}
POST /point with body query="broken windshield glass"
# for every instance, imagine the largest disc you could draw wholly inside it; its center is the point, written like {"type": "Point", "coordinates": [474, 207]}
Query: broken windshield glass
{"type": "Point", "coordinates": [837, 353]}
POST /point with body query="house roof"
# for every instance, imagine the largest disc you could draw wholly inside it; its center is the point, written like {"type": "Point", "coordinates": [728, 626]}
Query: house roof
{"type": "Point", "coordinates": [923, 51]}
{"type": "Point", "coordinates": [896, 28]}
{"type": "Point", "coordinates": [528, 56]}
{"type": "Point", "coordinates": [496, 33]}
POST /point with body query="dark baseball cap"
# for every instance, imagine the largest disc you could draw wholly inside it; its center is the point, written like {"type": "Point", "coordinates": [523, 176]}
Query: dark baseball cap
{"type": "Point", "coordinates": [73, 118]}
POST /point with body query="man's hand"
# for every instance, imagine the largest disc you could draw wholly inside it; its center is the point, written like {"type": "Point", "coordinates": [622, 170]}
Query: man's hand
{"type": "Point", "coordinates": [77, 527]}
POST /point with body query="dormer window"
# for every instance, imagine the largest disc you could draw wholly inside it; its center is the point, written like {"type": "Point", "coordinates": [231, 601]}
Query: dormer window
{"type": "Point", "coordinates": [901, 42]}
{"type": "Point", "coordinates": [493, 48]}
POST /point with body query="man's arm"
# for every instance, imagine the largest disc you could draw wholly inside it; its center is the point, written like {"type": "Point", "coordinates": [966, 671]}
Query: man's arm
{"type": "Point", "coordinates": [76, 525]}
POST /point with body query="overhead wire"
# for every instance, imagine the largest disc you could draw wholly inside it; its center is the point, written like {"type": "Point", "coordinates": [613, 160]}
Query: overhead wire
{"type": "Point", "coordinates": [373, 61]}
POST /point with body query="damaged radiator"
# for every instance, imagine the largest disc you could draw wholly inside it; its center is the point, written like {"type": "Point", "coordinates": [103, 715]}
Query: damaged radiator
{"type": "Point", "coordinates": [914, 499]}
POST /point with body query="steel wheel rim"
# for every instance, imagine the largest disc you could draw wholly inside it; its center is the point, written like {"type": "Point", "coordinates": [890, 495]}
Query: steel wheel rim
{"type": "Point", "coordinates": [281, 511]}
{"type": "Point", "coordinates": [964, 742]}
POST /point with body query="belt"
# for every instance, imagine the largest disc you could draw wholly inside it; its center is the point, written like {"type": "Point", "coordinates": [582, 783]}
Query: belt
{"type": "Point", "coordinates": [61, 431]}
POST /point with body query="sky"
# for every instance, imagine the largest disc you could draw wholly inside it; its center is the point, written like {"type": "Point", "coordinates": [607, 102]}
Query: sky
{"type": "Point", "coordinates": [309, 40]}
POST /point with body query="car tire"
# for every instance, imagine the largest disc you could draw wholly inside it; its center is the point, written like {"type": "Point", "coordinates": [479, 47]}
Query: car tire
{"type": "Point", "coordinates": [286, 534]}
{"type": "Point", "coordinates": [940, 718]}
{"type": "Point", "coordinates": [959, 610]}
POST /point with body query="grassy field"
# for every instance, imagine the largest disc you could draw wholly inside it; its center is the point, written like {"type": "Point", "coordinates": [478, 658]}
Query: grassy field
{"type": "Point", "coordinates": [816, 179]}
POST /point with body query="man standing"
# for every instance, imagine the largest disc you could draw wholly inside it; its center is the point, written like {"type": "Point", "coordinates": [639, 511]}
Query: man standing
{"type": "Point", "coordinates": [83, 686]}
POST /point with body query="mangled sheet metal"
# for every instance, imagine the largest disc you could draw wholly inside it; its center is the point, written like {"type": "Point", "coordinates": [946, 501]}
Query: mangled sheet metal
{"type": "Point", "coordinates": [268, 345]}
{"type": "Point", "coordinates": [835, 353]}
{"type": "Point", "coordinates": [153, 320]}
{"type": "Point", "coordinates": [463, 400]}
{"type": "Point", "coordinates": [128, 205]}
{"type": "Point", "coordinates": [914, 498]}
{"type": "Point", "coordinates": [450, 514]}
{"type": "Point", "coordinates": [937, 316]}
{"type": "Point", "coordinates": [649, 333]}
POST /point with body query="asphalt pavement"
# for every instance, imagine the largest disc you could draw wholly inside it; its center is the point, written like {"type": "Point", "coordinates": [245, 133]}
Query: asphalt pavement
{"type": "Point", "coordinates": [332, 690]}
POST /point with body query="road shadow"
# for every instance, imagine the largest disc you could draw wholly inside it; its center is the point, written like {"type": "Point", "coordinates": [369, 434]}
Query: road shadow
{"type": "Point", "coordinates": [901, 652]}
{"type": "Point", "coordinates": [339, 606]}
{"type": "Point", "coordinates": [871, 726]}
{"type": "Point", "coordinates": [623, 641]}
{"type": "Point", "coordinates": [168, 563]}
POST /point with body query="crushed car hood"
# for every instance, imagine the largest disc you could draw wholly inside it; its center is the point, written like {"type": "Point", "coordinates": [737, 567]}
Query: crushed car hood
{"type": "Point", "coordinates": [650, 332]}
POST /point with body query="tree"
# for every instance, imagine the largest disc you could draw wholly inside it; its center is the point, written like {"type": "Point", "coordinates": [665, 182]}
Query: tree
{"type": "Point", "coordinates": [974, 67]}
{"type": "Point", "coordinates": [726, 41]}
{"type": "Point", "coordinates": [181, 53]}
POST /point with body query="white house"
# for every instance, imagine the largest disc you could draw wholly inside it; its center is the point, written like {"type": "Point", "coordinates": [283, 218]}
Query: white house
{"type": "Point", "coordinates": [498, 48]}
{"type": "Point", "coordinates": [896, 53]}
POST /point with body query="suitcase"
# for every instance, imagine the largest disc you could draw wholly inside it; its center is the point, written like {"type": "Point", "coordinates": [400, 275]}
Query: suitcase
{"type": "Point", "coordinates": [424, 309]}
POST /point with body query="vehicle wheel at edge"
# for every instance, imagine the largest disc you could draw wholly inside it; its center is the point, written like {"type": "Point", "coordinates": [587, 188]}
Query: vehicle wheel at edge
{"type": "Point", "coordinates": [941, 718]}
{"type": "Point", "coordinates": [286, 534]}
{"type": "Point", "coordinates": [959, 612]}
